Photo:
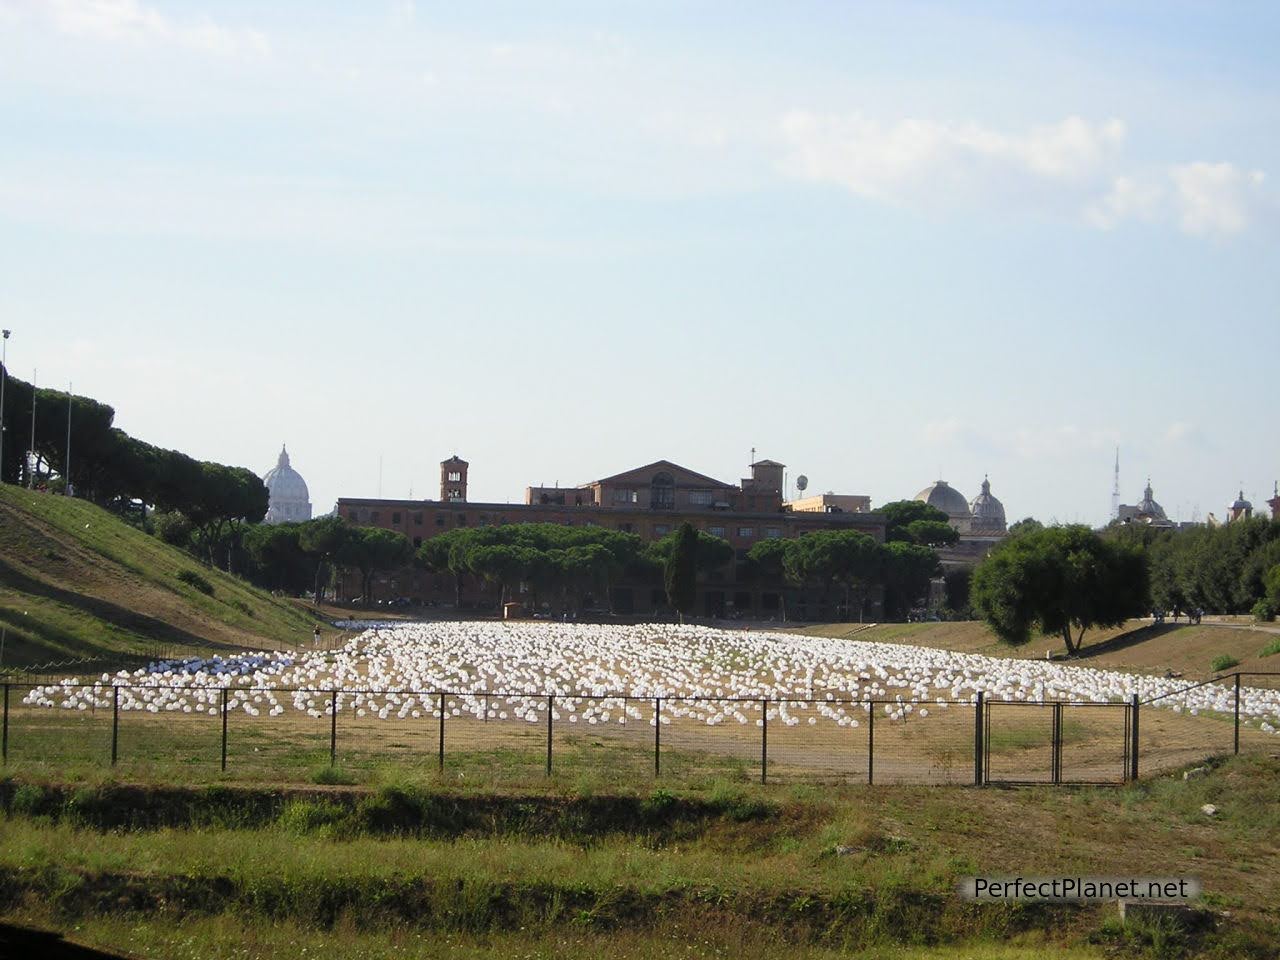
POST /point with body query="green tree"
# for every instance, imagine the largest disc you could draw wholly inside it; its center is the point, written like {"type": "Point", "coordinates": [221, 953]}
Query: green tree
{"type": "Point", "coordinates": [908, 570]}
{"type": "Point", "coordinates": [931, 533]}
{"type": "Point", "coordinates": [900, 514]}
{"type": "Point", "coordinates": [1025, 525]}
{"type": "Point", "coordinates": [372, 550]}
{"type": "Point", "coordinates": [1058, 580]}
{"type": "Point", "coordinates": [680, 574]}
{"type": "Point", "coordinates": [277, 560]}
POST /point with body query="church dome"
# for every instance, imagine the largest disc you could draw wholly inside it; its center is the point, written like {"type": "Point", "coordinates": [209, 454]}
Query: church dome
{"type": "Point", "coordinates": [946, 498]}
{"type": "Point", "coordinates": [290, 501]}
{"type": "Point", "coordinates": [1241, 503]}
{"type": "Point", "coordinates": [988, 512]}
{"type": "Point", "coordinates": [1148, 507]}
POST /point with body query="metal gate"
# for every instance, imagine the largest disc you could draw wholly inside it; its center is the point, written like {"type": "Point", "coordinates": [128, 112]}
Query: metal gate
{"type": "Point", "coordinates": [1040, 741]}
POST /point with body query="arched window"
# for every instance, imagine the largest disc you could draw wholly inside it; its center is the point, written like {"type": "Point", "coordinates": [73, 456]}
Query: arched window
{"type": "Point", "coordinates": [662, 492]}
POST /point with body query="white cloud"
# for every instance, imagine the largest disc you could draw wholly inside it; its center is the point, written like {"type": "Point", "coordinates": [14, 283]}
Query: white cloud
{"type": "Point", "coordinates": [1073, 164]}
{"type": "Point", "coordinates": [910, 159]}
{"type": "Point", "coordinates": [1128, 199]}
{"type": "Point", "coordinates": [1215, 198]}
{"type": "Point", "coordinates": [129, 21]}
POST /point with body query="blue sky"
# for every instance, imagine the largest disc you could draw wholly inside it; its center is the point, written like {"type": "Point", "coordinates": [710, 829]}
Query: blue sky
{"type": "Point", "coordinates": [877, 242]}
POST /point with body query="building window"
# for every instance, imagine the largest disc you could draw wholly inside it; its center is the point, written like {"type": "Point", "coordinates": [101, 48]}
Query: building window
{"type": "Point", "coordinates": [624, 495]}
{"type": "Point", "coordinates": [661, 529]}
{"type": "Point", "coordinates": [772, 533]}
{"type": "Point", "coordinates": [716, 532]}
{"type": "Point", "coordinates": [462, 519]}
{"type": "Point", "coordinates": [746, 532]}
{"type": "Point", "coordinates": [395, 517]}
{"type": "Point", "coordinates": [439, 519]}
{"type": "Point", "coordinates": [373, 517]}
{"type": "Point", "coordinates": [353, 516]}
{"type": "Point", "coordinates": [662, 492]}
{"type": "Point", "coordinates": [417, 519]}
{"type": "Point", "coordinates": [455, 476]}
{"type": "Point", "coordinates": [700, 498]}
{"type": "Point", "coordinates": [625, 527]}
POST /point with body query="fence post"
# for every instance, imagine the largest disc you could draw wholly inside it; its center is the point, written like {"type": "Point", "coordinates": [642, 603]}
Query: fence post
{"type": "Point", "coordinates": [115, 723]}
{"type": "Point", "coordinates": [4, 739]}
{"type": "Point", "coordinates": [657, 736]}
{"type": "Point", "coordinates": [871, 743]}
{"type": "Point", "coordinates": [764, 740]}
{"type": "Point", "coordinates": [1056, 762]}
{"type": "Point", "coordinates": [1133, 741]}
{"type": "Point", "coordinates": [1236, 748]}
{"type": "Point", "coordinates": [440, 763]}
{"type": "Point", "coordinates": [224, 729]}
{"type": "Point", "coordinates": [979, 706]}
{"type": "Point", "coordinates": [551, 699]}
{"type": "Point", "coordinates": [333, 729]}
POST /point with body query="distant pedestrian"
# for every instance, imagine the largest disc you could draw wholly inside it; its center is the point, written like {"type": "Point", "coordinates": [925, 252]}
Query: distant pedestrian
{"type": "Point", "coordinates": [316, 636]}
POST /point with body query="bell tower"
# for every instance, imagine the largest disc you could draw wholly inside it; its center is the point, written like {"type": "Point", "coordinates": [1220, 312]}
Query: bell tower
{"type": "Point", "coordinates": [453, 479]}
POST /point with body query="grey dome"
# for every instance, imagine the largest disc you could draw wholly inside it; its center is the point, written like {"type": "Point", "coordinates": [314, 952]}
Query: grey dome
{"type": "Point", "coordinates": [988, 512]}
{"type": "Point", "coordinates": [947, 499]}
{"type": "Point", "coordinates": [1241, 503]}
{"type": "Point", "coordinates": [290, 501]}
{"type": "Point", "coordinates": [1148, 507]}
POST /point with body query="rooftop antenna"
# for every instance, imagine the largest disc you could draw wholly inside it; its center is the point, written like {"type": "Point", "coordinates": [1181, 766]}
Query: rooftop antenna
{"type": "Point", "coordinates": [753, 457]}
{"type": "Point", "coordinates": [1115, 489]}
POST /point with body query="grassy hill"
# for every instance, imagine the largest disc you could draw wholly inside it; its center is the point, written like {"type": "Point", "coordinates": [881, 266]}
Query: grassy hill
{"type": "Point", "coordinates": [1137, 646]}
{"type": "Point", "coordinates": [75, 581]}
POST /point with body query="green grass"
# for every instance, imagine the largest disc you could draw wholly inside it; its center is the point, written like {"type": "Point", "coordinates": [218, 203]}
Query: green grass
{"type": "Point", "coordinates": [1223, 662]}
{"type": "Point", "coordinates": [1271, 649]}
{"type": "Point", "coordinates": [736, 869]}
{"type": "Point", "coordinates": [226, 937]}
{"type": "Point", "coordinates": [76, 581]}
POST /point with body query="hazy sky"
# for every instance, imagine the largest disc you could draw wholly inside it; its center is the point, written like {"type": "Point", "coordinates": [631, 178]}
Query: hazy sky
{"type": "Point", "coordinates": [876, 242]}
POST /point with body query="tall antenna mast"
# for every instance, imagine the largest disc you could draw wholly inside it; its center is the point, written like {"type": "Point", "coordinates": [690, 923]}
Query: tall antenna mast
{"type": "Point", "coordinates": [1115, 490]}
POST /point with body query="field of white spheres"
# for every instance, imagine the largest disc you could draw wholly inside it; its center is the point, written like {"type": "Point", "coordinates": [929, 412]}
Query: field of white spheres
{"type": "Point", "coordinates": [599, 674]}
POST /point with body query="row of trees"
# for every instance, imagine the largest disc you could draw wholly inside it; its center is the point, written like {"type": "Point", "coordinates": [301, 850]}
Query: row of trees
{"type": "Point", "coordinates": [212, 502]}
{"type": "Point", "coordinates": [1067, 580]}
{"type": "Point", "coordinates": [1234, 568]}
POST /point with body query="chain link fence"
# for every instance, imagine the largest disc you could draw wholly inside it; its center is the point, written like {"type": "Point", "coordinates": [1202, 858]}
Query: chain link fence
{"type": "Point", "coordinates": [290, 734]}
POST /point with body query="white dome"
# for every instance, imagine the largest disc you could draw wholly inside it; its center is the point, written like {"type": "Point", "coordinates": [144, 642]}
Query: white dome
{"type": "Point", "coordinates": [988, 512]}
{"type": "Point", "coordinates": [945, 498]}
{"type": "Point", "coordinates": [290, 502]}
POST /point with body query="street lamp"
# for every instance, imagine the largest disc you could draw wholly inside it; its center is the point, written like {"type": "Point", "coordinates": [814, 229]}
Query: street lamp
{"type": "Point", "coordinates": [4, 375]}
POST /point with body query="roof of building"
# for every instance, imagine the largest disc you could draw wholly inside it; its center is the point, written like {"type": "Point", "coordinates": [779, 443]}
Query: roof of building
{"type": "Point", "coordinates": [1148, 507]}
{"type": "Point", "coordinates": [946, 498]}
{"type": "Point", "coordinates": [644, 474]}
{"type": "Point", "coordinates": [1241, 503]}
{"type": "Point", "coordinates": [988, 512]}
{"type": "Point", "coordinates": [285, 484]}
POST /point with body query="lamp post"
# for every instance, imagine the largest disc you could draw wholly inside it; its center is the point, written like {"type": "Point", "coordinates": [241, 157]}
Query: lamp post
{"type": "Point", "coordinates": [4, 375]}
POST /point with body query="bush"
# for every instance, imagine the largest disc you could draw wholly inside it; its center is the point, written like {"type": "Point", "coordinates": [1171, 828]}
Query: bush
{"type": "Point", "coordinates": [193, 579]}
{"type": "Point", "coordinates": [1223, 662]}
{"type": "Point", "coordinates": [333, 777]}
{"type": "Point", "coordinates": [1264, 611]}
{"type": "Point", "coordinates": [1270, 649]}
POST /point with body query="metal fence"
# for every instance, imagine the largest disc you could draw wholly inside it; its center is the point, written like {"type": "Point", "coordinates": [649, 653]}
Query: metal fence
{"type": "Point", "coordinates": [290, 732]}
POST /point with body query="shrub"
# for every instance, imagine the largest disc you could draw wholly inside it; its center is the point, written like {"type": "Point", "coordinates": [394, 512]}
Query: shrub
{"type": "Point", "coordinates": [333, 776]}
{"type": "Point", "coordinates": [193, 579]}
{"type": "Point", "coordinates": [1223, 662]}
{"type": "Point", "coordinates": [1271, 648]}
{"type": "Point", "coordinates": [1264, 611]}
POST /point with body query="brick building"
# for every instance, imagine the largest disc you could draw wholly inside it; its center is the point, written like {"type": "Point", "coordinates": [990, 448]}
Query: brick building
{"type": "Point", "coordinates": [650, 501]}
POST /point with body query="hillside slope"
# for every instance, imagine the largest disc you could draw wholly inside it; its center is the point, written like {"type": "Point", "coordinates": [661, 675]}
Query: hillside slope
{"type": "Point", "coordinates": [1138, 646]}
{"type": "Point", "coordinates": [75, 581]}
